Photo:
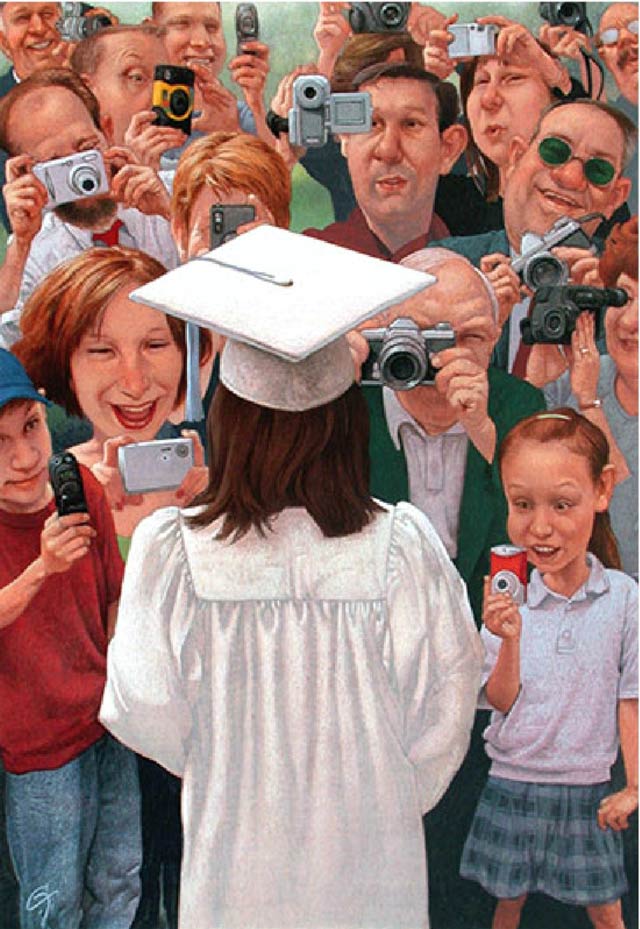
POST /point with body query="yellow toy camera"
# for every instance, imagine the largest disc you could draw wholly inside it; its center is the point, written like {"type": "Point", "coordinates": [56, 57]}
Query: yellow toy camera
{"type": "Point", "coordinates": [173, 95]}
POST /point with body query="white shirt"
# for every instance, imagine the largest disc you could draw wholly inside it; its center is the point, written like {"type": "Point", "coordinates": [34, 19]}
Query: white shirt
{"type": "Point", "coordinates": [435, 466]}
{"type": "Point", "coordinates": [58, 241]}
{"type": "Point", "coordinates": [316, 696]}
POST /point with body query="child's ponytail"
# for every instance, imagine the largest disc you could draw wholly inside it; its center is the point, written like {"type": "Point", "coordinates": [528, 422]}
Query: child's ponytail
{"type": "Point", "coordinates": [583, 438]}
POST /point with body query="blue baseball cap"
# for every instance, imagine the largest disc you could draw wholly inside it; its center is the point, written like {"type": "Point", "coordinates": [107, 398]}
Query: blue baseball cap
{"type": "Point", "coordinates": [15, 383]}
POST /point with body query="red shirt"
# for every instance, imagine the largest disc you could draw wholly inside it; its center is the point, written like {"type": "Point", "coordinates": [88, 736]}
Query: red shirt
{"type": "Point", "coordinates": [53, 657]}
{"type": "Point", "coordinates": [354, 233]}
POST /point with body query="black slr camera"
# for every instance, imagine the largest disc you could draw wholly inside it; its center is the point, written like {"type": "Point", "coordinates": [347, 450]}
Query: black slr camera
{"type": "Point", "coordinates": [379, 17]}
{"type": "Point", "coordinates": [572, 15]}
{"type": "Point", "coordinates": [554, 311]}
{"type": "Point", "coordinates": [66, 481]}
{"type": "Point", "coordinates": [173, 95]}
{"type": "Point", "coordinates": [399, 355]}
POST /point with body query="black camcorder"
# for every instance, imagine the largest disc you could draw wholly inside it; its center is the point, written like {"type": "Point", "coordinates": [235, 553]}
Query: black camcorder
{"type": "Point", "coordinates": [554, 310]}
{"type": "Point", "coordinates": [379, 17]}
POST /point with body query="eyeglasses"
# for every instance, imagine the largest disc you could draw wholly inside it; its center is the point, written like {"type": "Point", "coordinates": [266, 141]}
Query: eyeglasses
{"type": "Point", "coordinates": [555, 152]}
{"type": "Point", "coordinates": [611, 36]}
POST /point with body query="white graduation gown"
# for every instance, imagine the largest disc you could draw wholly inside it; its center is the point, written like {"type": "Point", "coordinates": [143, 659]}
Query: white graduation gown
{"type": "Point", "coordinates": [315, 695]}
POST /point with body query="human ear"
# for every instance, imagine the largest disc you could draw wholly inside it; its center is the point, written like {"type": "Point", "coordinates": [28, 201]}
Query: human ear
{"type": "Point", "coordinates": [453, 142]}
{"type": "Point", "coordinates": [106, 126]}
{"type": "Point", "coordinates": [619, 195]}
{"type": "Point", "coordinates": [517, 148]}
{"type": "Point", "coordinates": [4, 48]}
{"type": "Point", "coordinates": [606, 485]}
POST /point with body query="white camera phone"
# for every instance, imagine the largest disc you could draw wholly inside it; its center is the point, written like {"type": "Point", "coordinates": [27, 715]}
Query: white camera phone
{"type": "Point", "coordinates": [157, 465]}
{"type": "Point", "coordinates": [73, 177]}
{"type": "Point", "coordinates": [472, 39]}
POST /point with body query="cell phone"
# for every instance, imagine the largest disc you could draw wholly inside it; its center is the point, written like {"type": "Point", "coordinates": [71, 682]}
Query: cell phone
{"type": "Point", "coordinates": [157, 465]}
{"type": "Point", "coordinates": [66, 482]}
{"type": "Point", "coordinates": [225, 219]}
{"type": "Point", "coordinates": [173, 96]}
{"type": "Point", "coordinates": [472, 40]}
{"type": "Point", "coordinates": [247, 26]}
{"type": "Point", "coordinates": [74, 177]}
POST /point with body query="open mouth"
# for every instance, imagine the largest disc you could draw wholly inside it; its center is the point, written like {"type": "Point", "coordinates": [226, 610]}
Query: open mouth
{"type": "Point", "coordinates": [560, 201]}
{"type": "Point", "coordinates": [135, 417]}
{"type": "Point", "coordinates": [543, 552]}
{"type": "Point", "coordinates": [494, 132]}
{"type": "Point", "coordinates": [40, 46]}
{"type": "Point", "coordinates": [392, 184]}
{"type": "Point", "coordinates": [191, 60]}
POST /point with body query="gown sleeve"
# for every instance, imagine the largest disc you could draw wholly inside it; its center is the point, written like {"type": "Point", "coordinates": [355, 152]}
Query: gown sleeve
{"type": "Point", "coordinates": [148, 693]}
{"type": "Point", "coordinates": [436, 652]}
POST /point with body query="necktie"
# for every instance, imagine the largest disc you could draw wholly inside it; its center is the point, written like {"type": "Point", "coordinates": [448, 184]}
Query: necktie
{"type": "Point", "coordinates": [110, 236]}
{"type": "Point", "coordinates": [520, 361]}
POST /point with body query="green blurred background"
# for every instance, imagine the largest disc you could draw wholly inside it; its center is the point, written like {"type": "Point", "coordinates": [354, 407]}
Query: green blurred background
{"type": "Point", "coordinates": [288, 30]}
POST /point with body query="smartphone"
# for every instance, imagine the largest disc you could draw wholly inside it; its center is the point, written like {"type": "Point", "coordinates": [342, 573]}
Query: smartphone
{"type": "Point", "coordinates": [247, 26]}
{"type": "Point", "coordinates": [66, 482]}
{"type": "Point", "coordinates": [157, 465]}
{"type": "Point", "coordinates": [225, 219]}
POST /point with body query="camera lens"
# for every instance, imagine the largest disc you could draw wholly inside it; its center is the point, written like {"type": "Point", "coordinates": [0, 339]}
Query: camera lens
{"type": "Point", "coordinates": [554, 324]}
{"type": "Point", "coordinates": [180, 102]}
{"type": "Point", "coordinates": [402, 365]}
{"type": "Point", "coordinates": [391, 14]}
{"type": "Point", "coordinates": [310, 92]}
{"type": "Point", "coordinates": [545, 271]}
{"type": "Point", "coordinates": [84, 180]}
{"type": "Point", "coordinates": [182, 451]}
{"type": "Point", "coordinates": [569, 14]}
{"type": "Point", "coordinates": [505, 582]}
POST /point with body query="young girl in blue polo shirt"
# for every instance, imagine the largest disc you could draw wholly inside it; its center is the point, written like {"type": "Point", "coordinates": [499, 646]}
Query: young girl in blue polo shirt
{"type": "Point", "coordinates": [561, 676]}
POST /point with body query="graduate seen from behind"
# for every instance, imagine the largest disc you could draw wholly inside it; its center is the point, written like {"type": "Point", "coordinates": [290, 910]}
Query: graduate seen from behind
{"type": "Point", "coordinates": [561, 675]}
{"type": "Point", "coordinates": [303, 656]}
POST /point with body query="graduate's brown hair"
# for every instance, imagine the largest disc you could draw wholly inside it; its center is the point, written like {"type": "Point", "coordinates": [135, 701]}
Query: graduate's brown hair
{"type": "Point", "coordinates": [262, 461]}
{"type": "Point", "coordinates": [620, 254]}
{"type": "Point", "coordinates": [71, 301]}
{"type": "Point", "coordinates": [582, 438]}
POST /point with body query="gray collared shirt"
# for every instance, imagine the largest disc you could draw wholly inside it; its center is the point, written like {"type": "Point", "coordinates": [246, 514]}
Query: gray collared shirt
{"type": "Point", "coordinates": [578, 657]}
{"type": "Point", "coordinates": [435, 465]}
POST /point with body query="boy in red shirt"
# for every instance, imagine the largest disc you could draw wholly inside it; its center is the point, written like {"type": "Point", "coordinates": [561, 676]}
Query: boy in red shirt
{"type": "Point", "coordinates": [72, 797]}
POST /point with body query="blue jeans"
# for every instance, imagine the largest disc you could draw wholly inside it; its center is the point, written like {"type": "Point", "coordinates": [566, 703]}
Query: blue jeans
{"type": "Point", "coordinates": [74, 835]}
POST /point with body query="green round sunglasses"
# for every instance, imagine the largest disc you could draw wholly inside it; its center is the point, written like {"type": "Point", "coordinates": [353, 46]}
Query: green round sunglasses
{"type": "Point", "coordinates": [555, 152]}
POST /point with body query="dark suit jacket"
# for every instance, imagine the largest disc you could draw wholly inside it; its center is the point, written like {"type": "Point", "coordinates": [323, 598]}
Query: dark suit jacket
{"type": "Point", "coordinates": [483, 510]}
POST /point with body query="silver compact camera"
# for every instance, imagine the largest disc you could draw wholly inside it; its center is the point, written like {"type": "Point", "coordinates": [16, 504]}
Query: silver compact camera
{"type": "Point", "coordinates": [316, 112]}
{"type": "Point", "coordinates": [156, 465]}
{"type": "Point", "coordinates": [399, 355]}
{"type": "Point", "coordinates": [73, 177]}
{"type": "Point", "coordinates": [379, 17]}
{"type": "Point", "coordinates": [75, 25]}
{"type": "Point", "coordinates": [537, 266]}
{"type": "Point", "coordinates": [472, 39]}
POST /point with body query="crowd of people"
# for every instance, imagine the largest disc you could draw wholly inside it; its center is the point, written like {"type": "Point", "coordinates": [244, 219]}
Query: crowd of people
{"type": "Point", "coordinates": [276, 715]}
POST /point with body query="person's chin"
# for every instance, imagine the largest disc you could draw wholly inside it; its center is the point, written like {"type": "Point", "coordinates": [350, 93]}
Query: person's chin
{"type": "Point", "coordinates": [88, 214]}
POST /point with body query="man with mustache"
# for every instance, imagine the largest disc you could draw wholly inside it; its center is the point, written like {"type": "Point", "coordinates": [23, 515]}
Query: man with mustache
{"type": "Point", "coordinates": [396, 166]}
{"type": "Point", "coordinates": [51, 115]}
{"type": "Point", "coordinates": [572, 166]}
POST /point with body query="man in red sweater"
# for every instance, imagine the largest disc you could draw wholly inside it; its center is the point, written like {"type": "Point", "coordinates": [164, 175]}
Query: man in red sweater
{"type": "Point", "coordinates": [72, 798]}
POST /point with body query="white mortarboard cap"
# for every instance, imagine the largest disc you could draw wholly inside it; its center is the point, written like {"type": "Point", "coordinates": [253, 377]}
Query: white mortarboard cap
{"type": "Point", "coordinates": [284, 301]}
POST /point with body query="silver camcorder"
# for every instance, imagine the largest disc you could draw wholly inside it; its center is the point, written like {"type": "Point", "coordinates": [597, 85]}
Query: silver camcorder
{"type": "Point", "coordinates": [536, 266]}
{"type": "Point", "coordinates": [73, 177]}
{"type": "Point", "coordinates": [472, 40]}
{"type": "Point", "coordinates": [161, 464]}
{"type": "Point", "coordinates": [316, 112]}
{"type": "Point", "coordinates": [399, 355]}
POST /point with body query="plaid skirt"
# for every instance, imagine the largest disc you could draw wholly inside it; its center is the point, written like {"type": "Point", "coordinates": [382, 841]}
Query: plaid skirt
{"type": "Point", "coordinates": [544, 838]}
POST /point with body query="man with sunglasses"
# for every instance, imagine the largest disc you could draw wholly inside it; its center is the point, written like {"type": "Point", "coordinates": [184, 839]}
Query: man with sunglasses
{"type": "Point", "coordinates": [617, 44]}
{"type": "Point", "coordinates": [572, 166]}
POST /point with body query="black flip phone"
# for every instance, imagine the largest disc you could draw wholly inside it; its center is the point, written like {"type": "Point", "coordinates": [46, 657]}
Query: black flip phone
{"type": "Point", "coordinates": [66, 481]}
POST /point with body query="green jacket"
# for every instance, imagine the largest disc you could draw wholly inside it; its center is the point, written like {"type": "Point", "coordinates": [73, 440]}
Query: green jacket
{"type": "Point", "coordinates": [483, 510]}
